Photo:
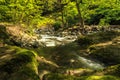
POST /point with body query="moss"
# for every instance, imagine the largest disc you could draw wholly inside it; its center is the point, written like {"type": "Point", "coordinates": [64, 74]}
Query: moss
{"type": "Point", "coordinates": [22, 64]}
{"type": "Point", "coordinates": [108, 54]}
{"type": "Point", "coordinates": [92, 48]}
{"type": "Point", "coordinates": [56, 76]}
{"type": "Point", "coordinates": [29, 72]}
{"type": "Point", "coordinates": [104, 77]}
{"type": "Point", "coordinates": [113, 70]}
{"type": "Point", "coordinates": [15, 63]}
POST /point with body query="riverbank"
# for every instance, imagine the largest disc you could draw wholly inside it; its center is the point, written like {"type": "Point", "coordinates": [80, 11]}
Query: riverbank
{"type": "Point", "coordinates": [90, 57]}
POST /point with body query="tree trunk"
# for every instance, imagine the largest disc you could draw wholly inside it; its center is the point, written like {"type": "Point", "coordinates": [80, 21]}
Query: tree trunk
{"type": "Point", "coordinates": [81, 22]}
{"type": "Point", "coordinates": [62, 13]}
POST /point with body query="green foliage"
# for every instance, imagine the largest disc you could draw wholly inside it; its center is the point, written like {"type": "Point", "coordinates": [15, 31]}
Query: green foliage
{"type": "Point", "coordinates": [102, 12]}
{"type": "Point", "coordinates": [29, 12]}
{"type": "Point", "coordinates": [4, 16]}
{"type": "Point", "coordinates": [71, 14]}
{"type": "Point", "coordinates": [20, 11]}
{"type": "Point", "coordinates": [57, 25]}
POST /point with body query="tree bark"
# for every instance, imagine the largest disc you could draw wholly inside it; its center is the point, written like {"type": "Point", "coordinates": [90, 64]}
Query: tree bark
{"type": "Point", "coordinates": [62, 14]}
{"type": "Point", "coordinates": [81, 22]}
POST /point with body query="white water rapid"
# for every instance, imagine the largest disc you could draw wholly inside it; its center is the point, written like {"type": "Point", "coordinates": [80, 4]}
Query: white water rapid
{"type": "Point", "coordinates": [54, 40]}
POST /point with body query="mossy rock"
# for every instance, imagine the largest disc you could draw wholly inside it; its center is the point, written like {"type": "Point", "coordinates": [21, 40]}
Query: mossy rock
{"type": "Point", "coordinates": [21, 66]}
{"type": "Point", "coordinates": [97, 38]}
{"type": "Point", "coordinates": [113, 70]}
{"type": "Point", "coordinates": [93, 77]}
{"type": "Point", "coordinates": [56, 76]}
{"type": "Point", "coordinates": [108, 54]}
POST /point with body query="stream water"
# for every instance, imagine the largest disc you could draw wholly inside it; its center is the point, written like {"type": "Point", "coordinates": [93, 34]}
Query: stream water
{"type": "Point", "coordinates": [88, 63]}
{"type": "Point", "coordinates": [55, 40]}
{"type": "Point", "coordinates": [85, 62]}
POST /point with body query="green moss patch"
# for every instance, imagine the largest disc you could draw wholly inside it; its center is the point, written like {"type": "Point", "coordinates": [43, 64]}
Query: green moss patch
{"type": "Point", "coordinates": [113, 70]}
{"type": "Point", "coordinates": [104, 77]}
{"type": "Point", "coordinates": [22, 64]}
{"type": "Point", "coordinates": [56, 76]}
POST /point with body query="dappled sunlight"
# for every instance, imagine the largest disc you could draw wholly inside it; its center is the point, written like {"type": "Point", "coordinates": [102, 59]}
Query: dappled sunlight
{"type": "Point", "coordinates": [59, 40]}
{"type": "Point", "coordinates": [42, 59]}
{"type": "Point", "coordinates": [103, 44]}
{"type": "Point", "coordinates": [5, 56]}
{"type": "Point", "coordinates": [102, 78]}
{"type": "Point", "coordinates": [94, 78]}
{"type": "Point", "coordinates": [79, 72]}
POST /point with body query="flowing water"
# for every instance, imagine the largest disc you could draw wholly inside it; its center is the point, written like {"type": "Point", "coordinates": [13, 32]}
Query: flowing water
{"type": "Point", "coordinates": [85, 62]}
{"type": "Point", "coordinates": [89, 63]}
{"type": "Point", "coordinates": [54, 40]}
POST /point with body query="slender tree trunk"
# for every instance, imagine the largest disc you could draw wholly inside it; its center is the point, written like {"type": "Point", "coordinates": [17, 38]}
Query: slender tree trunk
{"type": "Point", "coordinates": [62, 13]}
{"type": "Point", "coordinates": [80, 17]}
{"type": "Point", "coordinates": [66, 23]}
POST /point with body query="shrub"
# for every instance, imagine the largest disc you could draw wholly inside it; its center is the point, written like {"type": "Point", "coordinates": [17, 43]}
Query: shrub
{"type": "Point", "coordinates": [57, 25]}
{"type": "Point", "coordinates": [84, 41]}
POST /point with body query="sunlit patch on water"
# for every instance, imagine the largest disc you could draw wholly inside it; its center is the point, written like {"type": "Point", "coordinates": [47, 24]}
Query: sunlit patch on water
{"type": "Point", "coordinates": [90, 63]}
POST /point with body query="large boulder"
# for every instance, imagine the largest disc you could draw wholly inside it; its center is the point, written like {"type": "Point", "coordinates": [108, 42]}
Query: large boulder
{"type": "Point", "coordinates": [18, 64]}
